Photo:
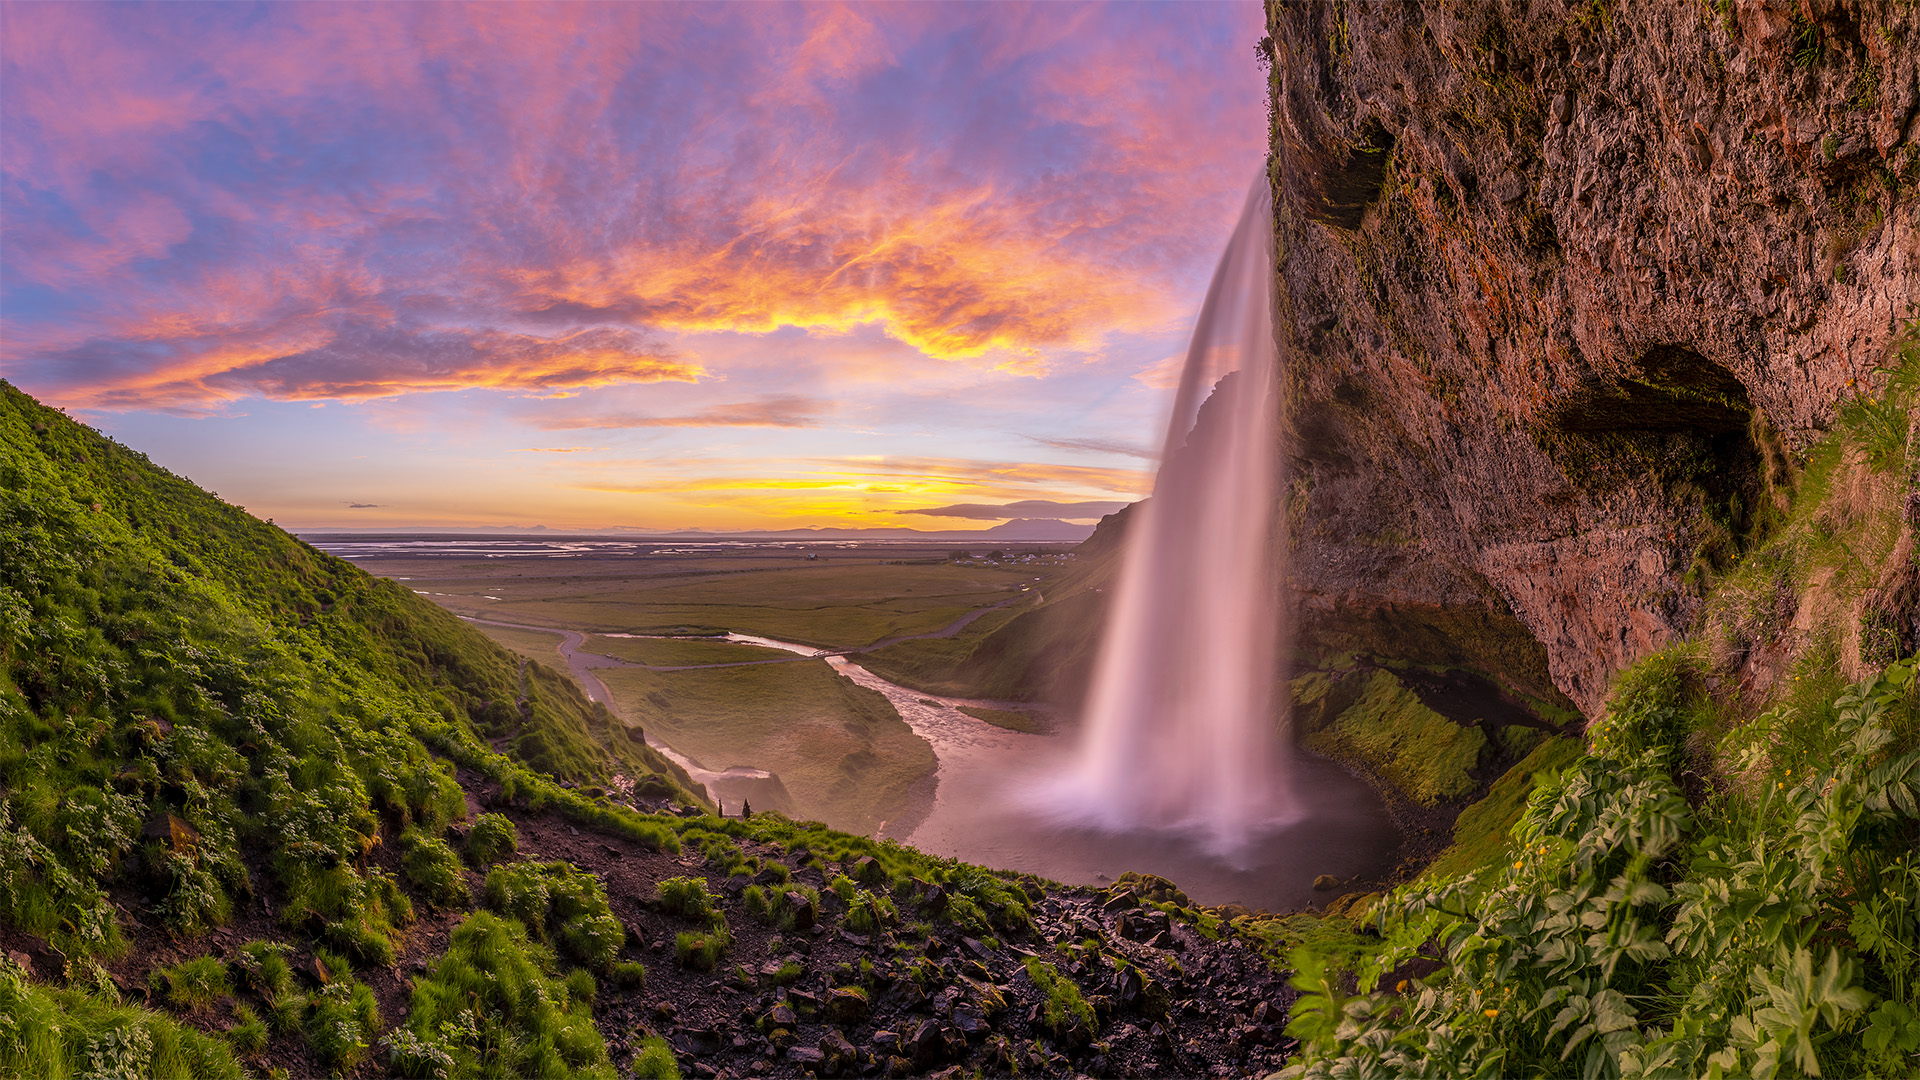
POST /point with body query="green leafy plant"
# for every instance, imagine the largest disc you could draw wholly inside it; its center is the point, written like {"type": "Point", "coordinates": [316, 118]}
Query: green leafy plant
{"type": "Point", "coordinates": [1631, 935]}
{"type": "Point", "coordinates": [431, 867]}
{"type": "Point", "coordinates": [492, 838]}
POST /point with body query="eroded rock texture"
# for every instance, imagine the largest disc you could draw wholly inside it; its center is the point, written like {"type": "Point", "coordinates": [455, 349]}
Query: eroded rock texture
{"type": "Point", "coordinates": [1566, 286]}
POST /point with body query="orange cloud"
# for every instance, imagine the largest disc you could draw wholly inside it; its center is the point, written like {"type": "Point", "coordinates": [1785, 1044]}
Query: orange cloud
{"type": "Point", "coordinates": [223, 203]}
{"type": "Point", "coordinates": [780, 412]}
{"type": "Point", "coordinates": [356, 362]}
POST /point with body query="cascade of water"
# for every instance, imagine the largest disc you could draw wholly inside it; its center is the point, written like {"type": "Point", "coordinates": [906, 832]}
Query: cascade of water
{"type": "Point", "coordinates": [1181, 730]}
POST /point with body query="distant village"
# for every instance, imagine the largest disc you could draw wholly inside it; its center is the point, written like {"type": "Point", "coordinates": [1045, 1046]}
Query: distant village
{"type": "Point", "coordinates": [1001, 558]}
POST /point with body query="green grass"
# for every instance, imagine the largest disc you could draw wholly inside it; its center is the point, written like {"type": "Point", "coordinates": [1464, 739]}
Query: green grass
{"type": "Point", "coordinates": [45, 1032]}
{"type": "Point", "coordinates": [1007, 718]}
{"type": "Point", "coordinates": [841, 750]}
{"type": "Point", "coordinates": [1425, 755]}
{"type": "Point", "coordinates": [561, 903]}
{"type": "Point", "coordinates": [1752, 934]}
{"type": "Point", "coordinates": [343, 1018]}
{"type": "Point", "coordinates": [669, 652]}
{"type": "Point", "coordinates": [702, 950]}
{"type": "Point", "coordinates": [533, 644]}
{"type": "Point", "coordinates": [687, 897]}
{"type": "Point", "coordinates": [168, 661]}
{"type": "Point", "coordinates": [825, 604]}
{"type": "Point", "coordinates": [655, 1060]}
{"type": "Point", "coordinates": [493, 1007]}
{"type": "Point", "coordinates": [1065, 1005]}
{"type": "Point", "coordinates": [248, 1033]}
{"type": "Point", "coordinates": [192, 985]}
{"type": "Point", "coordinates": [1481, 837]}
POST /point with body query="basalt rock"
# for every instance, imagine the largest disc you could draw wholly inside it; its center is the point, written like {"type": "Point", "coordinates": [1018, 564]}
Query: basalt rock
{"type": "Point", "coordinates": [1564, 287]}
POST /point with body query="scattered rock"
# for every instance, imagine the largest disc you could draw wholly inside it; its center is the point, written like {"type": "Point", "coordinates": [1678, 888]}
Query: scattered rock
{"type": "Point", "coordinates": [802, 908]}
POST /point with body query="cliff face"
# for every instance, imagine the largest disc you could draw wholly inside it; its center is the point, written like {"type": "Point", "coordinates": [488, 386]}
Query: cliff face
{"type": "Point", "coordinates": [1565, 289]}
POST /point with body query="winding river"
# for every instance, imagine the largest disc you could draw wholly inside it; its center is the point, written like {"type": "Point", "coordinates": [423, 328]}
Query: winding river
{"type": "Point", "coordinates": [979, 810]}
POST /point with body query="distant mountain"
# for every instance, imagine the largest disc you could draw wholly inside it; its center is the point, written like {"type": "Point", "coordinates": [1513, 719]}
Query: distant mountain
{"type": "Point", "coordinates": [1035, 529]}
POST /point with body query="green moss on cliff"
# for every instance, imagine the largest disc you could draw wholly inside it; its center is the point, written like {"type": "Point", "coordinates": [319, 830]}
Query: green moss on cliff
{"type": "Point", "coordinates": [1426, 756]}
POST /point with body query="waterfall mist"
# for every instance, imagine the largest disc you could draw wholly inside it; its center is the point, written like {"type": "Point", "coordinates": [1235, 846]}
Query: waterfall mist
{"type": "Point", "coordinates": [1181, 731]}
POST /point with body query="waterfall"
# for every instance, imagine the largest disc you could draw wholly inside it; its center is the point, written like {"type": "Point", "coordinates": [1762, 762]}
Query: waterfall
{"type": "Point", "coordinates": [1181, 730]}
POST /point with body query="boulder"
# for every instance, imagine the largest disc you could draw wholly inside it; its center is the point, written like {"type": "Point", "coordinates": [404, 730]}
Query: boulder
{"type": "Point", "coordinates": [847, 1006]}
{"type": "Point", "coordinates": [802, 909]}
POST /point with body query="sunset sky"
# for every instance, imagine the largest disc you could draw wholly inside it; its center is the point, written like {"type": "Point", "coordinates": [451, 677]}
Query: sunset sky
{"type": "Point", "coordinates": [646, 265]}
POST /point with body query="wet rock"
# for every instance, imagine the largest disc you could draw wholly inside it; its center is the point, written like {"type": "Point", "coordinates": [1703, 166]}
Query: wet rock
{"type": "Point", "coordinates": [782, 1016]}
{"type": "Point", "coordinates": [976, 948]}
{"type": "Point", "coordinates": [898, 1067]}
{"type": "Point", "coordinates": [805, 1056]}
{"type": "Point", "coordinates": [885, 1042]}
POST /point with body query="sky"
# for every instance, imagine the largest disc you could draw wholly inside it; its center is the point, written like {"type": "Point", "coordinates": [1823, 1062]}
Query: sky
{"type": "Point", "coordinates": [657, 266]}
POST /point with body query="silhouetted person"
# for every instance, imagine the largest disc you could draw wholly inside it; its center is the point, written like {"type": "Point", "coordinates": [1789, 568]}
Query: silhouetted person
{"type": "Point", "coordinates": [746, 809]}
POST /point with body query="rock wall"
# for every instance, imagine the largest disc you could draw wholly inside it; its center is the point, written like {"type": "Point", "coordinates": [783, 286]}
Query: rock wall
{"type": "Point", "coordinates": [1566, 286]}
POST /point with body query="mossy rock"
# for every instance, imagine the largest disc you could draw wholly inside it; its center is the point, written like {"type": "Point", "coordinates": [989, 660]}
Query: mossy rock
{"type": "Point", "coordinates": [1427, 757]}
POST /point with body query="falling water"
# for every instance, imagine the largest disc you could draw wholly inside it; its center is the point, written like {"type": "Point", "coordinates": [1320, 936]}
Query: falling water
{"type": "Point", "coordinates": [1181, 731]}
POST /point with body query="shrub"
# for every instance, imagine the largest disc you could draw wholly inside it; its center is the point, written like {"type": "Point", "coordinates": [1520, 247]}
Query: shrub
{"type": "Point", "coordinates": [755, 901]}
{"type": "Point", "coordinates": [193, 984]}
{"type": "Point", "coordinates": [687, 897]}
{"type": "Point", "coordinates": [867, 913]}
{"type": "Point", "coordinates": [491, 839]}
{"type": "Point", "coordinates": [629, 974]}
{"type": "Point", "coordinates": [561, 903]}
{"type": "Point", "coordinates": [1609, 948]}
{"type": "Point", "coordinates": [342, 1017]}
{"type": "Point", "coordinates": [429, 865]}
{"type": "Point", "coordinates": [491, 1006]}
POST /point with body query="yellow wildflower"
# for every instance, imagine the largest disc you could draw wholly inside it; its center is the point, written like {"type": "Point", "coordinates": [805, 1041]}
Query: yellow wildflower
{"type": "Point", "coordinates": [1491, 1013]}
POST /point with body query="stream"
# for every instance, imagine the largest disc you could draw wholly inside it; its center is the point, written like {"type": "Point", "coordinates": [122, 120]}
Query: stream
{"type": "Point", "coordinates": [979, 809]}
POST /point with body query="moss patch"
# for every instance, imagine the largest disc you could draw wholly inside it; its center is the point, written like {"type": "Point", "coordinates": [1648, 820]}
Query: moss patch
{"type": "Point", "coordinates": [1480, 835]}
{"type": "Point", "coordinates": [1426, 756]}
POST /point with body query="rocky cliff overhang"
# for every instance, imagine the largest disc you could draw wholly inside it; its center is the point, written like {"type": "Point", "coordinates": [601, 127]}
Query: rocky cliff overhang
{"type": "Point", "coordinates": [1565, 287]}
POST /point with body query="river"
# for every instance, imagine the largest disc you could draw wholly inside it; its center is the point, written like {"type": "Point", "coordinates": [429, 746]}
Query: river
{"type": "Point", "coordinates": [979, 809]}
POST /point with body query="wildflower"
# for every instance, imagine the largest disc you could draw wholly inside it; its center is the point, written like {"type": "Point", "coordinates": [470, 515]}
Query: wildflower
{"type": "Point", "coordinates": [1401, 988]}
{"type": "Point", "coordinates": [1516, 866]}
{"type": "Point", "coordinates": [1491, 1013]}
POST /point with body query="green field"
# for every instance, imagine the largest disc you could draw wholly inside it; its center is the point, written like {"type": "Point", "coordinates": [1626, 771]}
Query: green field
{"type": "Point", "coordinates": [849, 603]}
{"type": "Point", "coordinates": [532, 644]}
{"type": "Point", "coordinates": [667, 652]}
{"type": "Point", "coordinates": [843, 753]}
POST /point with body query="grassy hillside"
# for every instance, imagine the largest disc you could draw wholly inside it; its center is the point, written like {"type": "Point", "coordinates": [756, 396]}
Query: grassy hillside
{"type": "Point", "coordinates": [200, 715]}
